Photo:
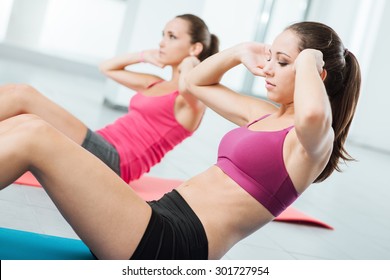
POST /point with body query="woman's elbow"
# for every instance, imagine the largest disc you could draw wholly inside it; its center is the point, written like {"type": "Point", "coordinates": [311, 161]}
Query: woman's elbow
{"type": "Point", "coordinates": [103, 68]}
{"type": "Point", "coordinates": [319, 118]}
{"type": "Point", "coordinates": [187, 84]}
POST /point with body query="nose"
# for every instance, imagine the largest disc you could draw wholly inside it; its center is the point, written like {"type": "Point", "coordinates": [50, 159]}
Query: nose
{"type": "Point", "coordinates": [161, 44]}
{"type": "Point", "coordinates": [268, 68]}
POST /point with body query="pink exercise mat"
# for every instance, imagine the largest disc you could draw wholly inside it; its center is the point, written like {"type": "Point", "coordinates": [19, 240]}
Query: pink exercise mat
{"type": "Point", "coordinates": [152, 188]}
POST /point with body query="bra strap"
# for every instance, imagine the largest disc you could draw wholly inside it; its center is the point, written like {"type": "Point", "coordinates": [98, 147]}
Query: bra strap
{"type": "Point", "coordinates": [259, 119]}
{"type": "Point", "coordinates": [154, 83]}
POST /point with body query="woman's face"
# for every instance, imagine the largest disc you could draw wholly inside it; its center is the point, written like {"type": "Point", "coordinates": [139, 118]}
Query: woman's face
{"type": "Point", "coordinates": [175, 44]}
{"type": "Point", "coordinates": [279, 69]}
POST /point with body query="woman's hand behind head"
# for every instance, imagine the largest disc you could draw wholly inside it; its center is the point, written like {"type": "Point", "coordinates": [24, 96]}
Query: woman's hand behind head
{"type": "Point", "coordinates": [152, 57]}
{"type": "Point", "coordinates": [188, 63]}
{"type": "Point", "coordinates": [310, 54]}
{"type": "Point", "coordinates": [253, 56]}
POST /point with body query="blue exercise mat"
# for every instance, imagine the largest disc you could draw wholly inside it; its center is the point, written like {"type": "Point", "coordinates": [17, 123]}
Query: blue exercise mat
{"type": "Point", "coordinates": [22, 245]}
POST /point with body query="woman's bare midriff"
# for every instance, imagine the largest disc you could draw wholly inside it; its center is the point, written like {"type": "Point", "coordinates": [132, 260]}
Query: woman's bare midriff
{"type": "Point", "coordinates": [227, 212]}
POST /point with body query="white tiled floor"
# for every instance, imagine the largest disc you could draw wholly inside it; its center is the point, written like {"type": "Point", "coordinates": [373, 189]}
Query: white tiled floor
{"type": "Point", "coordinates": [354, 202]}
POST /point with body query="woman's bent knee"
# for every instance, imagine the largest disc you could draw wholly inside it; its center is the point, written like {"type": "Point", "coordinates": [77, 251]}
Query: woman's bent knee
{"type": "Point", "coordinates": [18, 122]}
{"type": "Point", "coordinates": [17, 89]}
{"type": "Point", "coordinates": [30, 125]}
{"type": "Point", "coordinates": [21, 134]}
{"type": "Point", "coordinates": [19, 95]}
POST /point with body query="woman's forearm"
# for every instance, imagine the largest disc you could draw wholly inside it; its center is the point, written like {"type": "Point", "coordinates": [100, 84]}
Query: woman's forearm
{"type": "Point", "coordinates": [211, 70]}
{"type": "Point", "coordinates": [204, 82]}
{"type": "Point", "coordinates": [120, 62]}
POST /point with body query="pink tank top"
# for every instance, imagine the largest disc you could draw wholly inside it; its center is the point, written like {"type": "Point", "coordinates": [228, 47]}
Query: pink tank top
{"type": "Point", "coordinates": [254, 159]}
{"type": "Point", "coordinates": [145, 134]}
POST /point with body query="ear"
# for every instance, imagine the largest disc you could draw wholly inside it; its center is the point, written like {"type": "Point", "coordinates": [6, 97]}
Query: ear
{"type": "Point", "coordinates": [323, 74]}
{"type": "Point", "coordinates": [196, 49]}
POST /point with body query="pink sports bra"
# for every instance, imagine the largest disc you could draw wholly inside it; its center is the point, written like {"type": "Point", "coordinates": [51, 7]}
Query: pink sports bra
{"type": "Point", "coordinates": [254, 159]}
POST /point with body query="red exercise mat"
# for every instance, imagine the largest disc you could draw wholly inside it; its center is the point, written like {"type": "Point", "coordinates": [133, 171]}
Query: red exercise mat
{"type": "Point", "coordinates": [152, 188]}
{"type": "Point", "coordinates": [28, 179]}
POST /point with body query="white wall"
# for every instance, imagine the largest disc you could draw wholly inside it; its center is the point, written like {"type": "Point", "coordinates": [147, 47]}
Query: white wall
{"type": "Point", "coordinates": [84, 33]}
{"type": "Point", "coordinates": [67, 29]}
{"type": "Point", "coordinates": [27, 16]}
{"type": "Point", "coordinates": [340, 15]}
{"type": "Point", "coordinates": [372, 123]}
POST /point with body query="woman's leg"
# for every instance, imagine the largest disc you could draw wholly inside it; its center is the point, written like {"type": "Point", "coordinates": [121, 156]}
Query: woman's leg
{"type": "Point", "coordinates": [106, 214]}
{"type": "Point", "coordinates": [16, 99]}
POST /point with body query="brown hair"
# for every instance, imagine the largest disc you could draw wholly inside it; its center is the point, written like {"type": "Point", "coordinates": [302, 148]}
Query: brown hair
{"type": "Point", "coordinates": [342, 84]}
{"type": "Point", "coordinates": [199, 32]}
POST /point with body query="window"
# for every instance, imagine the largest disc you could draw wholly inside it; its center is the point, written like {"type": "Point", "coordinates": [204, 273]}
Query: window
{"type": "Point", "coordinates": [5, 12]}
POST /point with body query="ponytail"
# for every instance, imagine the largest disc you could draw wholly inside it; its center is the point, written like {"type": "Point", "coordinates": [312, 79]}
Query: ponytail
{"type": "Point", "coordinates": [343, 105]}
{"type": "Point", "coordinates": [199, 32]}
{"type": "Point", "coordinates": [212, 49]}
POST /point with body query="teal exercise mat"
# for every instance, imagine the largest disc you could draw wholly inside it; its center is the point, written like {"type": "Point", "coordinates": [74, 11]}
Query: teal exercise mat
{"type": "Point", "coordinates": [23, 245]}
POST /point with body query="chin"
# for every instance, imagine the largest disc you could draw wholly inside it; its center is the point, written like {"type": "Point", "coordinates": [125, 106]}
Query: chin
{"type": "Point", "coordinates": [273, 98]}
{"type": "Point", "coordinates": [270, 96]}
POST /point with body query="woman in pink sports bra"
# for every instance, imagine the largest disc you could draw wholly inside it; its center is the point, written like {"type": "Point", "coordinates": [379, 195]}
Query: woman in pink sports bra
{"type": "Point", "coordinates": [159, 117]}
{"type": "Point", "coordinates": [275, 154]}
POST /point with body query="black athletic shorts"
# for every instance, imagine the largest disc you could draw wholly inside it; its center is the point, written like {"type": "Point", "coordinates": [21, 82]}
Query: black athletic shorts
{"type": "Point", "coordinates": [174, 232]}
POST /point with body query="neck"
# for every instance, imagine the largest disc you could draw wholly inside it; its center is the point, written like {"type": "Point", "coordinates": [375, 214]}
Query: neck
{"type": "Point", "coordinates": [286, 109]}
{"type": "Point", "coordinates": [175, 73]}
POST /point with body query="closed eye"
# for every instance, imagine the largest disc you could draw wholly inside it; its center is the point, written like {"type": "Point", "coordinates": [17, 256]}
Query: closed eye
{"type": "Point", "coordinates": [169, 34]}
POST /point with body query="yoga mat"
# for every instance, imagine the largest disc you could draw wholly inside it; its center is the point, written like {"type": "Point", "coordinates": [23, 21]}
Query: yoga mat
{"type": "Point", "coordinates": [152, 188]}
{"type": "Point", "coordinates": [291, 215]}
{"type": "Point", "coordinates": [23, 245]}
{"type": "Point", "coordinates": [27, 179]}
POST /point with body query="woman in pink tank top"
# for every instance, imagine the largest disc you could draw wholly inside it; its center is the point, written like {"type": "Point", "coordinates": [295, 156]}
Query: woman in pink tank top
{"type": "Point", "coordinates": [275, 153]}
{"type": "Point", "coordinates": [138, 140]}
